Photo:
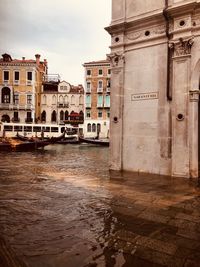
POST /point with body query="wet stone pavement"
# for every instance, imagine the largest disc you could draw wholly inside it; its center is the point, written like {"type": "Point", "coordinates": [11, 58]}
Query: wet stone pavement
{"type": "Point", "coordinates": [60, 208]}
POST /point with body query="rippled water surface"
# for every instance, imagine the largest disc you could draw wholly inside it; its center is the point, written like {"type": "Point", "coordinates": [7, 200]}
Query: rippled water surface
{"type": "Point", "coordinates": [59, 208]}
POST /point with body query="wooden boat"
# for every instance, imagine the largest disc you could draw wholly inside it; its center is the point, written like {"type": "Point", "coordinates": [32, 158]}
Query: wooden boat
{"type": "Point", "coordinates": [68, 140]}
{"type": "Point", "coordinates": [16, 145]}
{"type": "Point", "coordinates": [51, 140]}
{"type": "Point", "coordinates": [94, 141]}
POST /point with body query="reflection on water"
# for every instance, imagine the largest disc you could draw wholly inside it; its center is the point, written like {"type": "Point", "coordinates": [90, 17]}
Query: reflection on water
{"type": "Point", "coordinates": [59, 208]}
{"type": "Point", "coordinates": [54, 207]}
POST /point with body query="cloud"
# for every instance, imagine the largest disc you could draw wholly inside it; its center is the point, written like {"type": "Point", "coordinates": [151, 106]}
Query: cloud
{"type": "Point", "coordinates": [66, 32]}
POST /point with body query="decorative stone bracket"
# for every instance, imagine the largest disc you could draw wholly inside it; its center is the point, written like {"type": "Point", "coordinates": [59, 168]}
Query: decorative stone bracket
{"type": "Point", "coordinates": [194, 95]}
{"type": "Point", "coordinates": [116, 59]}
{"type": "Point", "coordinates": [181, 47]}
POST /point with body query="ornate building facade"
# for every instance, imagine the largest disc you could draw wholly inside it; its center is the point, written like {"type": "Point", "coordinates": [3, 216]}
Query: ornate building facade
{"type": "Point", "coordinates": [20, 88]}
{"type": "Point", "coordinates": [97, 98]}
{"type": "Point", "coordinates": [155, 60]}
{"type": "Point", "coordinates": [61, 102]}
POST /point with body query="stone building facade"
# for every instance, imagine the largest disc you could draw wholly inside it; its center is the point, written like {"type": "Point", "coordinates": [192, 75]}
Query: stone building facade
{"type": "Point", "coordinates": [20, 88]}
{"type": "Point", "coordinates": [97, 99]}
{"type": "Point", "coordinates": [155, 60]}
{"type": "Point", "coordinates": [61, 102]}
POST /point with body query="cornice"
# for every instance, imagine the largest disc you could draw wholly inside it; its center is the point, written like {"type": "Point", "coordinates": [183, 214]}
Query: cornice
{"type": "Point", "coordinates": [181, 9]}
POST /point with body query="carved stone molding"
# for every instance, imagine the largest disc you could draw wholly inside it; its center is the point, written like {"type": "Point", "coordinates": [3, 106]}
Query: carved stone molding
{"type": "Point", "coordinates": [154, 31]}
{"type": "Point", "coordinates": [194, 95]}
{"type": "Point", "coordinates": [181, 47]}
{"type": "Point", "coordinates": [116, 59]}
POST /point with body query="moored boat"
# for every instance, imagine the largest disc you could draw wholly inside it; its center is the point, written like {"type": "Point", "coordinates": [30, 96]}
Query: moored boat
{"type": "Point", "coordinates": [101, 142]}
{"type": "Point", "coordinates": [16, 145]}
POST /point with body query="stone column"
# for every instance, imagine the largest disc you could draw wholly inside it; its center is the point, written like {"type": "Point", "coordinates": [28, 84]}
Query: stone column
{"type": "Point", "coordinates": [181, 50]}
{"type": "Point", "coordinates": [194, 132]}
{"type": "Point", "coordinates": [116, 111]}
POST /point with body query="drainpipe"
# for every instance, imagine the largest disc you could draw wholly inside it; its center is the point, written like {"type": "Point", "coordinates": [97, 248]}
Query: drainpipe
{"type": "Point", "coordinates": [169, 93]}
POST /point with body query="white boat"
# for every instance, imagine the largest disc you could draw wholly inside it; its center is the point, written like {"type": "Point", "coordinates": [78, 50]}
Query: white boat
{"type": "Point", "coordinates": [37, 130]}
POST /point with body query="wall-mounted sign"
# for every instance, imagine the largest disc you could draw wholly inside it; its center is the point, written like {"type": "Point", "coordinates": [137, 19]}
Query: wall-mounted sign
{"type": "Point", "coordinates": [144, 96]}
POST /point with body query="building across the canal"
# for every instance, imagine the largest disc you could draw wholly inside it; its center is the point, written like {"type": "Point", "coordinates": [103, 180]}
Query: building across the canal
{"type": "Point", "coordinates": [155, 60]}
{"type": "Point", "coordinates": [97, 98]}
{"type": "Point", "coordinates": [61, 102]}
{"type": "Point", "coordinates": [20, 88]}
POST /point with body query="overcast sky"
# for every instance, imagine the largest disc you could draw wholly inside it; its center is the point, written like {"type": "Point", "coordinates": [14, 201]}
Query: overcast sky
{"type": "Point", "coordinates": [67, 33]}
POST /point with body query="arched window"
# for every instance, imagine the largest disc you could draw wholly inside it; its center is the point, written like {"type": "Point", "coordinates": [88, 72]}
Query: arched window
{"type": "Point", "coordinates": [81, 115]}
{"type": "Point", "coordinates": [89, 128]}
{"type": "Point", "coordinates": [53, 116]}
{"type": "Point", "coordinates": [5, 118]}
{"type": "Point", "coordinates": [93, 127]}
{"type": "Point", "coordinates": [44, 99]}
{"type": "Point", "coordinates": [5, 95]}
{"type": "Point", "coordinates": [53, 99]}
{"type": "Point", "coordinates": [65, 99]}
{"type": "Point", "coordinates": [73, 100]}
{"type": "Point", "coordinates": [43, 116]}
{"type": "Point", "coordinates": [62, 115]}
{"type": "Point", "coordinates": [61, 99]}
{"type": "Point", "coordinates": [98, 127]}
{"type": "Point", "coordinates": [66, 115]}
{"type": "Point", "coordinates": [81, 100]}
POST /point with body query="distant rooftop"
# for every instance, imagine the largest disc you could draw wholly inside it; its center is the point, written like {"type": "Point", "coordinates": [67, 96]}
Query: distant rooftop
{"type": "Point", "coordinates": [97, 62]}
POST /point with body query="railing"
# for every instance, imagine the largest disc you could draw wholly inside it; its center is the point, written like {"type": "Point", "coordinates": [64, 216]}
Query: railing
{"type": "Point", "coordinates": [8, 106]}
{"type": "Point", "coordinates": [15, 120]}
{"type": "Point", "coordinates": [29, 82]}
{"type": "Point", "coordinates": [51, 78]}
{"type": "Point", "coordinates": [16, 82]}
{"type": "Point", "coordinates": [63, 105]}
{"type": "Point", "coordinates": [99, 90]}
{"type": "Point", "coordinates": [106, 105]}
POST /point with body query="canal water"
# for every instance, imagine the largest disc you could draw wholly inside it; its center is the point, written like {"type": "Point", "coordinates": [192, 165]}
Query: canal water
{"type": "Point", "coordinates": [59, 207]}
{"type": "Point", "coordinates": [54, 208]}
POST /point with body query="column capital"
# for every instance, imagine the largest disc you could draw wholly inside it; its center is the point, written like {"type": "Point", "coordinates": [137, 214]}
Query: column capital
{"type": "Point", "coordinates": [116, 59]}
{"type": "Point", "coordinates": [194, 95]}
{"type": "Point", "coordinates": [182, 46]}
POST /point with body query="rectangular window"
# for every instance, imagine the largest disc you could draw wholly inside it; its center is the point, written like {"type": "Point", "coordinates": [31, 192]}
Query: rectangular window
{"type": "Point", "coordinates": [100, 114]}
{"type": "Point", "coordinates": [16, 99]}
{"type": "Point", "coordinates": [88, 72]}
{"type": "Point", "coordinates": [108, 114]}
{"type": "Point", "coordinates": [46, 129]}
{"type": "Point", "coordinates": [29, 99]}
{"type": "Point", "coordinates": [36, 129]}
{"type": "Point", "coordinates": [29, 115]}
{"type": "Point", "coordinates": [100, 84]}
{"type": "Point", "coordinates": [16, 115]}
{"type": "Point", "coordinates": [54, 129]}
{"type": "Point", "coordinates": [29, 76]}
{"type": "Point", "coordinates": [27, 128]}
{"type": "Point", "coordinates": [107, 101]}
{"type": "Point", "coordinates": [88, 86]}
{"type": "Point", "coordinates": [8, 128]}
{"type": "Point", "coordinates": [6, 99]}
{"type": "Point", "coordinates": [88, 99]}
{"type": "Point", "coordinates": [16, 78]}
{"type": "Point", "coordinates": [6, 75]}
{"type": "Point", "coordinates": [100, 72]}
{"type": "Point", "coordinates": [100, 101]}
{"type": "Point", "coordinates": [88, 114]}
{"type": "Point", "coordinates": [17, 128]}
{"type": "Point", "coordinates": [109, 71]}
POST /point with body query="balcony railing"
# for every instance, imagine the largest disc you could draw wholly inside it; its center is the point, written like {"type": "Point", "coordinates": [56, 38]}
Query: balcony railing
{"type": "Point", "coordinates": [108, 89]}
{"type": "Point", "coordinates": [16, 82]}
{"type": "Point", "coordinates": [51, 78]}
{"type": "Point", "coordinates": [63, 105]}
{"type": "Point", "coordinates": [15, 120]}
{"type": "Point", "coordinates": [99, 90]}
{"type": "Point", "coordinates": [29, 82]}
{"type": "Point", "coordinates": [8, 106]}
{"type": "Point", "coordinates": [106, 105]}
{"type": "Point", "coordinates": [88, 90]}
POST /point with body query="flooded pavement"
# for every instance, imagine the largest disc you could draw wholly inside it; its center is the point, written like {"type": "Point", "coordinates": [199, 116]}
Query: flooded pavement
{"type": "Point", "coordinates": [59, 208]}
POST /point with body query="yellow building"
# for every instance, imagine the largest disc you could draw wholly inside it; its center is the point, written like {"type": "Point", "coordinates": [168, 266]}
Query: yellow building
{"type": "Point", "coordinates": [20, 88]}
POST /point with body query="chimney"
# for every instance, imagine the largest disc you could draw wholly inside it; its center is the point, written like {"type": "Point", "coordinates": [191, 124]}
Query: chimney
{"type": "Point", "coordinates": [37, 56]}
